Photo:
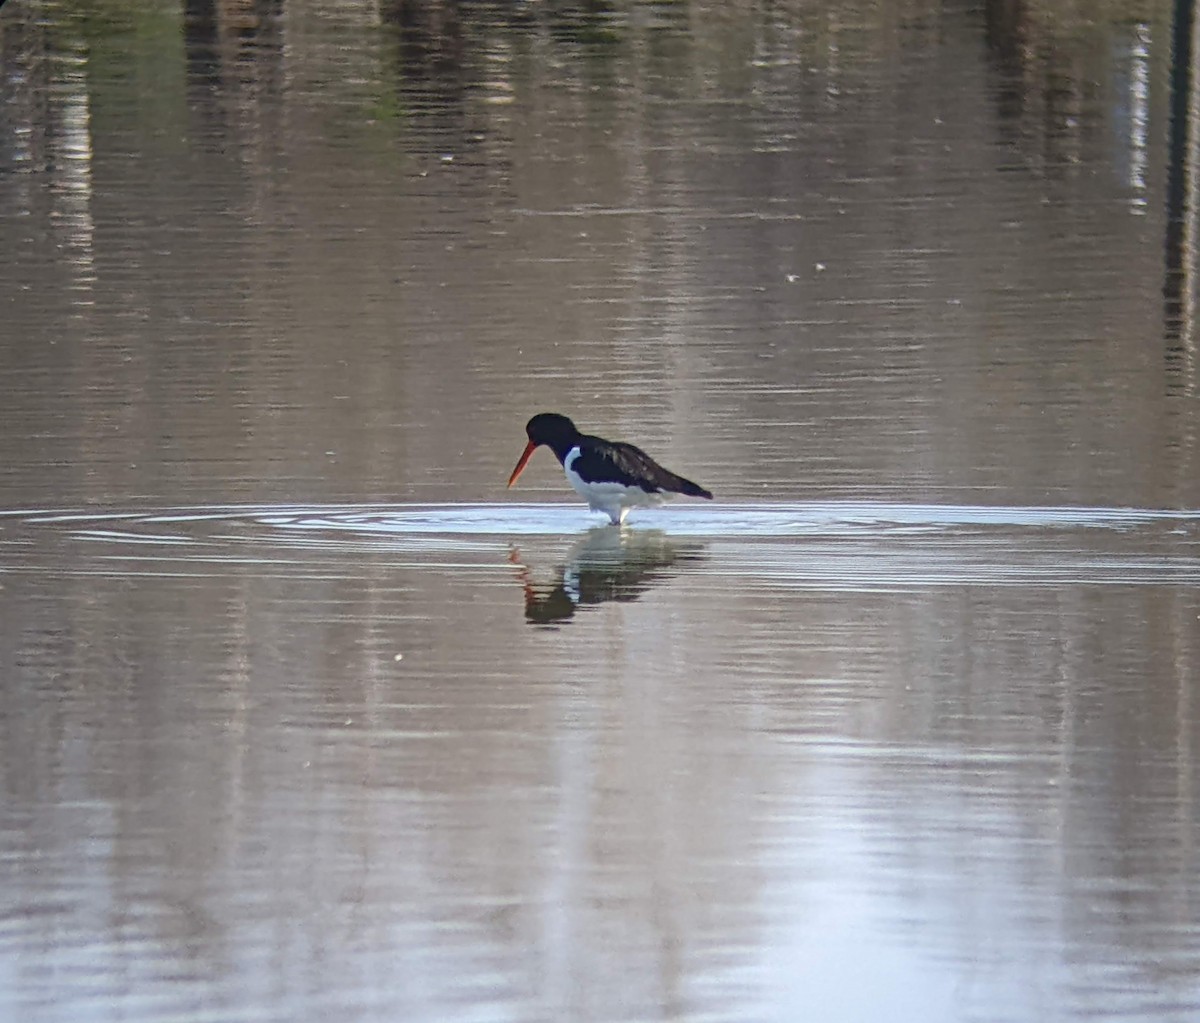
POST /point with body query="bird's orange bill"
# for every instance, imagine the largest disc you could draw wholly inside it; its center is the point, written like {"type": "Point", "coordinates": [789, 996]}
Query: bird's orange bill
{"type": "Point", "coordinates": [530, 448]}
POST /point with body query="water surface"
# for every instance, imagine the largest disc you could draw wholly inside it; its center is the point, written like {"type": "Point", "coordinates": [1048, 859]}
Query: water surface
{"type": "Point", "coordinates": [304, 715]}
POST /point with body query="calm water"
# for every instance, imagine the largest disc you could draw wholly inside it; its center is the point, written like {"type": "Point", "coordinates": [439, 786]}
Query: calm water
{"type": "Point", "coordinates": [304, 716]}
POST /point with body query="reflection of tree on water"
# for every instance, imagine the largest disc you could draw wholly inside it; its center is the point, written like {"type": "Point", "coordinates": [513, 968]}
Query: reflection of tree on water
{"type": "Point", "coordinates": [606, 564]}
{"type": "Point", "coordinates": [1182, 189]}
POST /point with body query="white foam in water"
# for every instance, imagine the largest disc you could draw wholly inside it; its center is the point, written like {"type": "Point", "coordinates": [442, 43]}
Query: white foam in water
{"type": "Point", "coordinates": [825, 518]}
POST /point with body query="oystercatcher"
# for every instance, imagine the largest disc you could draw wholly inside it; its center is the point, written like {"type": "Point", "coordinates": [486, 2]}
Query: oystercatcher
{"type": "Point", "coordinates": [610, 475]}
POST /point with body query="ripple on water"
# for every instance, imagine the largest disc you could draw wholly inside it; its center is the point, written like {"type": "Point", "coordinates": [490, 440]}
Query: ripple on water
{"type": "Point", "coordinates": [833, 544]}
{"type": "Point", "coordinates": [828, 518]}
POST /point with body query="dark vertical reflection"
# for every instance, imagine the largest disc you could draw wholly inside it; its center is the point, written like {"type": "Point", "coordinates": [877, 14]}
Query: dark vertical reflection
{"type": "Point", "coordinates": [431, 73]}
{"type": "Point", "coordinates": [1180, 241]}
{"type": "Point", "coordinates": [232, 61]}
{"type": "Point", "coordinates": [430, 39]}
{"type": "Point", "coordinates": [200, 34]}
{"type": "Point", "coordinates": [1038, 91]}
{"type": "Point", "coordinates": [1006, 32]}
{"type": "Point", "coordinates": [1180, 233]}
{"type": "Point", "coordinates": [429, 48]}
{"type": "Point", "coordinates": [1180, 360]}
{"type": "Point", "coordinates": [202, 48]}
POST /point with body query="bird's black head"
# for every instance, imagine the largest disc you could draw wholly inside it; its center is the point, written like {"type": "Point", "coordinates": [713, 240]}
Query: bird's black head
{"type": "Point", "coordinates": [553, 430]}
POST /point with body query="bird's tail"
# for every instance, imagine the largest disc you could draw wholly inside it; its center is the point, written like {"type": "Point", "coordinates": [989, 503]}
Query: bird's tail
{"type": "Point", "coordinates": [682, 486]}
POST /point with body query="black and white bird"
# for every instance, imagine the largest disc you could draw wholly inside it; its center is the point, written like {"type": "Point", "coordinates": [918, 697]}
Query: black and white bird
{"type": "Point", "coordinates": [611, 476]}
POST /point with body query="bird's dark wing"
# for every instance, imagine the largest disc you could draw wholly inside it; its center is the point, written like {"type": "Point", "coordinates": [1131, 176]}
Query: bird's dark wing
{"type": "Point", "coordinates": [602, 461]}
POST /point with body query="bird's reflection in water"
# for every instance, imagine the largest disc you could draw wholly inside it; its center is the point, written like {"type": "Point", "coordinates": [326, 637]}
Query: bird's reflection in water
{"type": "Point", "coordinates": [608, 563]}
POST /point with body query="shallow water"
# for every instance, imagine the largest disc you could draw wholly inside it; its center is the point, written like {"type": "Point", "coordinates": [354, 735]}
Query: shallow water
{"type": "Point", "coordinates": [303, 715]}
{"type": "Point", "coordinates": [282, 759]}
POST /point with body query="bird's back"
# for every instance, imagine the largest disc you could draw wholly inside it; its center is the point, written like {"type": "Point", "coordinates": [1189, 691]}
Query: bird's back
{"type": "Point", "coordinates": [620, 462]}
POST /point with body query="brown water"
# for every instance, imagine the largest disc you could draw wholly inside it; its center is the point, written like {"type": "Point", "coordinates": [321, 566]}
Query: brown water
{"type": "Point", "coordinates": [305, 717]}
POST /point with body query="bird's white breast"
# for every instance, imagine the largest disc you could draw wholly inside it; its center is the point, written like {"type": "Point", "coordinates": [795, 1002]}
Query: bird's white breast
{"type": "Point", "coordinates": [614, 499]}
